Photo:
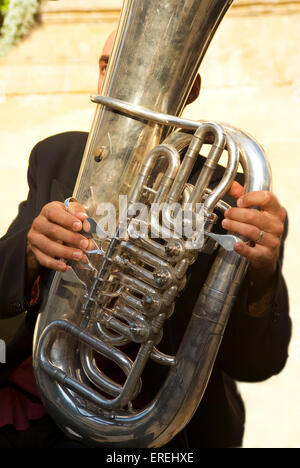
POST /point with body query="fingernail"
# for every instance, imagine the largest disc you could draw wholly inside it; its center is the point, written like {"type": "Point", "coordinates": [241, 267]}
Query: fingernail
{"type": "Point", "coordinates": [86, 226]}
{"type": "Point", "coordinates": [76, 225]}
{"type": "Point", "coordinates": [82, 214]}
{"type": "Point", "coordinates": [239, 202]}
{"type": "Point", "coordinates": [238, 247]}
{"type": "Point", "coordinates": [84, 244]}
{"type": "Point", "coordinates": [224, 223]}
{"type": "Point", "coordinates": [62, 266]}
{"type": "Point", "coordinates": [77, 255]}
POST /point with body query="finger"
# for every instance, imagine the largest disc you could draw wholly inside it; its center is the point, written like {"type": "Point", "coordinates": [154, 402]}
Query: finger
{"type": "Point", "coordinates": [58, 233]}
{"type": "Point", "coordinates": [86, 226]}
{"type": "Point", "coordinates": [49, 262]}
{"type": "Point", "coordinates": [258, 219]}
{"type": "Point", "coordinates": [265, 200]}
{"type": "Point", "coordinates": [252, 233]}
{"type": "Point", "coordinates": [56, 213]}
{"type": "Point", "coordinates": [259, 257]}
{"type": "Point", "coordinates": [77, 210]}
{"type": "Point", "coordinates": [54, 249]}
{"type": "Point", "coordinates": [236, 190]}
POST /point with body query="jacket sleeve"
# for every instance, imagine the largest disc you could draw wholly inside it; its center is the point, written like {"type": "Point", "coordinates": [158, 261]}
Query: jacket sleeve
{"type": "Point", "coordinates": [13, 251]}
{"type": "Point", "coordinates": [255, 348]}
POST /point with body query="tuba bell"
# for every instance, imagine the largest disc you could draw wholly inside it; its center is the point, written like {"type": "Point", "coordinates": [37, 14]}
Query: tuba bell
{"type": "Point", "coordinates": [110, 312]}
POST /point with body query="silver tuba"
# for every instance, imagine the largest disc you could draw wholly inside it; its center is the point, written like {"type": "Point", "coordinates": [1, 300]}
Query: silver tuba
{"type": "Point", "coordinates": [109, 312]}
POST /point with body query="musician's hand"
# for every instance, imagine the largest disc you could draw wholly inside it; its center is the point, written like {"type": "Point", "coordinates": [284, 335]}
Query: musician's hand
{"type": "Point", "coordinates": [264, 227]}
{"type": "Point", "coordinates": [55, 234]}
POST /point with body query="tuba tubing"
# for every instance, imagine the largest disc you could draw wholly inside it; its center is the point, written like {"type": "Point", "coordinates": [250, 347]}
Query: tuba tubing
{"type": "Point", "coordinates": [129, 286]}
{"type": "Point", "coordinates": [156, 424]}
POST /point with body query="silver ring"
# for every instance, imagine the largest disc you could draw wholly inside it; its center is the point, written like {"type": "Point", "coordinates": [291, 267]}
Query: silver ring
{"type": "Point", "coordinates": [260, 236]}
{"type": "Point", "coordinates": [68, 201]}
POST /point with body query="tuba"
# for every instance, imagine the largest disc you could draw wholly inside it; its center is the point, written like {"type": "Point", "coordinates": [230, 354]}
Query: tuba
{"type": "Point", "coordinates": [102, 321]}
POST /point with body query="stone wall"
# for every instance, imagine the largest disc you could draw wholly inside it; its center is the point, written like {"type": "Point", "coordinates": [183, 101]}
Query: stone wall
{"type": "Point", "coordinates": [250, 78]}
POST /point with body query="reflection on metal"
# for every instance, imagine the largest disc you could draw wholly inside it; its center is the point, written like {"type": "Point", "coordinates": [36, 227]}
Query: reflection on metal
{"type": "Point", "coordinates": [115, 311]}
{"type": "Point", "coordinates": [2, 352]}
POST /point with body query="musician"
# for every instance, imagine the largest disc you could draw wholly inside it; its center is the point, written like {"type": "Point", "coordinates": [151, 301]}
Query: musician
{"type": "Point", "coordinates": [255, 345]}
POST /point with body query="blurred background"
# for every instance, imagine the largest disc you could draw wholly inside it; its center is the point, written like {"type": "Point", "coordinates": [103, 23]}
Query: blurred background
{"type": "Point", "coordinates": [250, 78]}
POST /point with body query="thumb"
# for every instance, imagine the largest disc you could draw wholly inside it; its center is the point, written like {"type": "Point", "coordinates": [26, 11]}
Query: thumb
{"type": "Point", "coordinates": [236, 190]}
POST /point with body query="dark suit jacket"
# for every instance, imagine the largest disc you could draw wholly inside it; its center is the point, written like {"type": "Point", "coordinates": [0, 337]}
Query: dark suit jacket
{"type": "Point", "coordinates": [253, 349]}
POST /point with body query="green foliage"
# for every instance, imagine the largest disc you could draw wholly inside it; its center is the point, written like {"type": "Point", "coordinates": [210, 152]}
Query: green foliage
{"type": "Point", "coordinates": [17, 18]}
{"type": "Point", "coordinates": [4, 5]}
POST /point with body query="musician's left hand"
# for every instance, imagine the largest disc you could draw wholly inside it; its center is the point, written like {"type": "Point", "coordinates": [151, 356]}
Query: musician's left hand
{"type": "Point", "coordinates": [264, 227]}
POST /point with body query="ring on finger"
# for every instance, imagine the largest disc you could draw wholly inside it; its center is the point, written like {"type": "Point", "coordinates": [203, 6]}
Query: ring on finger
{"type": "Point", "coordinates": [68, 201]}
{"type": "Point", "coordinates": [260, 236]}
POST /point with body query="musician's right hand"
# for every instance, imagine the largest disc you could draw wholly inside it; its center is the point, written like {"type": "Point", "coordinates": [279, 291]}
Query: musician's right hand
{"type": "Point", "coordinates": [56, 234]}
